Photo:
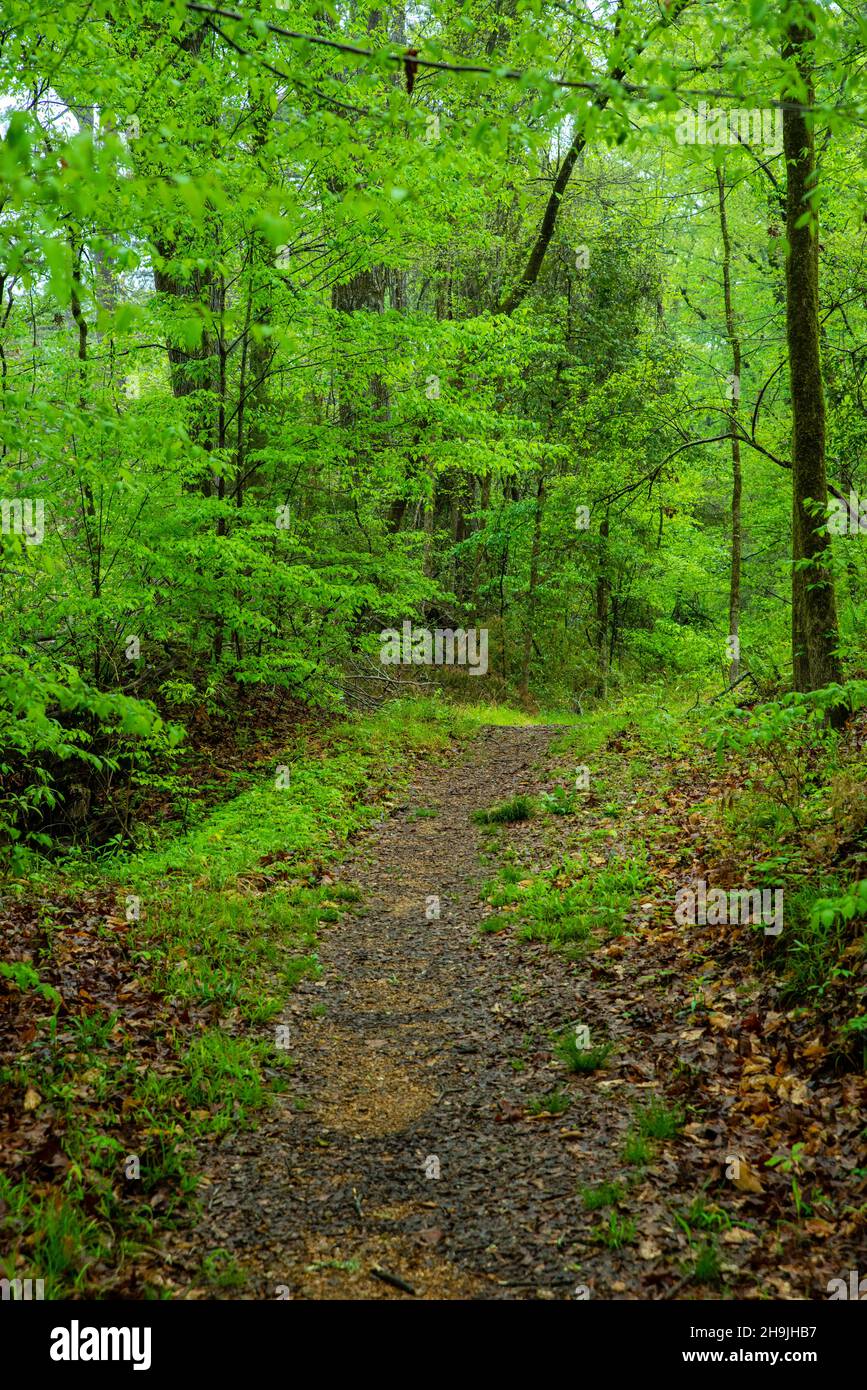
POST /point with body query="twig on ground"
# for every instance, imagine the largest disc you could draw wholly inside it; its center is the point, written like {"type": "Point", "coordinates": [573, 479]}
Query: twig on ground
{"type": "Point", "coordinates": [394, 1279]}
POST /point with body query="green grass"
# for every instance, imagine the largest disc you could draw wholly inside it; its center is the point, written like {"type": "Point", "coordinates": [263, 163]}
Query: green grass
{"type": "Point", "coordinates": [707, 1268]}
{"type": "Point", "coordinates": [519, 808]}
{"type": "Point", "coordinates": [58, 1240]}
{"type": "Point", "coordinates": [603, 1194]}
{"type": "Point", "coordinates": [581, 1059]}
{"type": "Point", "coordinates": [620, 1231]}
{"type": "Point", "coordinates": [221, 1270]}
{"type": "Point", "coordinates": [704, 1216]}
{"type": "Point", "coordinates": [636, 1149]}
{"type": "Point", "coordinates": [571, 900]}
{"type": "Point", "coordinates": [506, 716]}
{"type": "Point", "coordinates": [236, 950]}
{"type": "Point", "coordinates": [656, 1120]}
{"type": "Point", "coordinates": [553, 1103]}
{"type": "Point", "coordinates": [495, 922]}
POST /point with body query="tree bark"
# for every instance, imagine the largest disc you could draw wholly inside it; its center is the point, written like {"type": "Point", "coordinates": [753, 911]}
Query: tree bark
{"type": "Point", "coordinates": [737, 477]}
{"type": "Point", "coordinates": [603, 604]}
{"type": "Point", "coordinates": [524, 683]}
{"type": "Point", "coordinates": [815, 661]}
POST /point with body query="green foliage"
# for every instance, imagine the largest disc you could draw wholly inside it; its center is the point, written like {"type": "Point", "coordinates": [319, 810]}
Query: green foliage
{"type": "Point", "coordinates": [822, 929]}
{"type": "Point", "coordinates": [567, 902]}
{"type": "Point", "coordinates": [267, 386]}
{"type": "Point", "coordinates": [704, 1216]}
{"type": "Point", "coordinates": [707, 1268]}
{"type": "Point", "coordinates": [657, 1120]}
{"type": "Point", "coordinates": [603, 1194]}
{"type": "Point", "coordinates": [578, 1058]}
{"type": "Point", "coordinates": [552, 1103]}
{"type": "Point", "coordinates": [784, 740]}
{"type": "Point", "coordinates": [636, 1149]}
{"type": "Point", "coordinates": [24, 977]}
{"type": "Point", "coordinates": [620, 1231]}
{"type": "Point", "coordinates": [519, 808]}
{"type": "Point", "coordinates": [560, 802]}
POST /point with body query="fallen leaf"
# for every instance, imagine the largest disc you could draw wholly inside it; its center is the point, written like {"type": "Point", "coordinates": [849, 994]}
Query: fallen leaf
{"type": "Point", "coordinates": [32, 1099]}
{"type": "Point", "coordinates": [738, 1236]}
{"type": "Point", "coordinates": [748, 1180]}
{"type": "Point", "coordinates": [818, 1227]}
{"type": "Point", "coordinates": [720, 1020]}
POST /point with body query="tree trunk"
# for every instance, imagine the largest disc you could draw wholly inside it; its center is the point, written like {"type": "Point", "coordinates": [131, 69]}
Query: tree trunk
{"type": "Point", "coordinates": [737, 480]}
{"type": "Point", "coordinates": [524, 683]}
{"type": "Point", "coordinates": [815, 661]}
{"type": "Point", "coordinates": [615, 74]}
{"type": "Point", "coordinates": [603, 604]}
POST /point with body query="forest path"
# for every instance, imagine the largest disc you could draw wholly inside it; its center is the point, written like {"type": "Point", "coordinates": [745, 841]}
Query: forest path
{"type": "Point", "coordinates": [407, 1141]}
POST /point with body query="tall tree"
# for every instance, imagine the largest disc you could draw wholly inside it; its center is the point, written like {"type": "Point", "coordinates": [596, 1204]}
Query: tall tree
{"type": "Point", "coordinates": [815, 637]}
{"type": "Point", "coordinates": [734, 430]}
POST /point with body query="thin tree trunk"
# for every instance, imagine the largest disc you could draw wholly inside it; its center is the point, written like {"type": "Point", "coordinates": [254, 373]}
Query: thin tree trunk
{"type": "Point", "coordinates": [615, 74]}
{"type": "Point", "coordinates": [524, 683]}
{"type": "Point", "coordinates": [603, 604]}
{"type": "Point", "coordinates": [737, 478]}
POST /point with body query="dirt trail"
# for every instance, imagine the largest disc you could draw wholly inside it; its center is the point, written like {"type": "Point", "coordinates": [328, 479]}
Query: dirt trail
{"type": "Point", "coordinates": [414, 1150]}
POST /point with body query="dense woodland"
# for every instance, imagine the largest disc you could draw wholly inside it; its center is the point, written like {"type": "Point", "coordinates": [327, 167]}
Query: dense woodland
{"type": "Point", "coordinates": [545, 319]}
{"type": "Point", "coordinates": [300, 342]}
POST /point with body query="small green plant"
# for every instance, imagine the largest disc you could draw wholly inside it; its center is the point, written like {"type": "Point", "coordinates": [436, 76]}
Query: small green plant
{"type": "Point", "coordinates": [570, 900]}
{"type": "Point", "coordinates": [819, 939]}
{"type": "Point", "coordinates": [707, 1268]}
{"type": "Point", "coordinates": [603, 1194]}
{"type": "Point", "coordinates": [580, 1058]}
{"type": "Point", "coordinates": [24, 977]}
{"type": "Point", "coordinates": [520, 808]}
{"type": "Point", "coordinates": [791, 1163]}
{"type": "Point", "coordinates": [494, 923]}
{"type": "Point", "coordinates": [560, 802]}
{"type": "Point", "coordinates": [620, 1231]}
{"type": "Point", "coordinates": [220, 1268]}
{"type": "Point", "coordinates": [636, 1149]}
{"type": "Point", "coordinates": [656, 1120]}
{"type": "Point", "coordinates": [704, 1216]}
{"type": "Point", "coordinates": [554, 1103]}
